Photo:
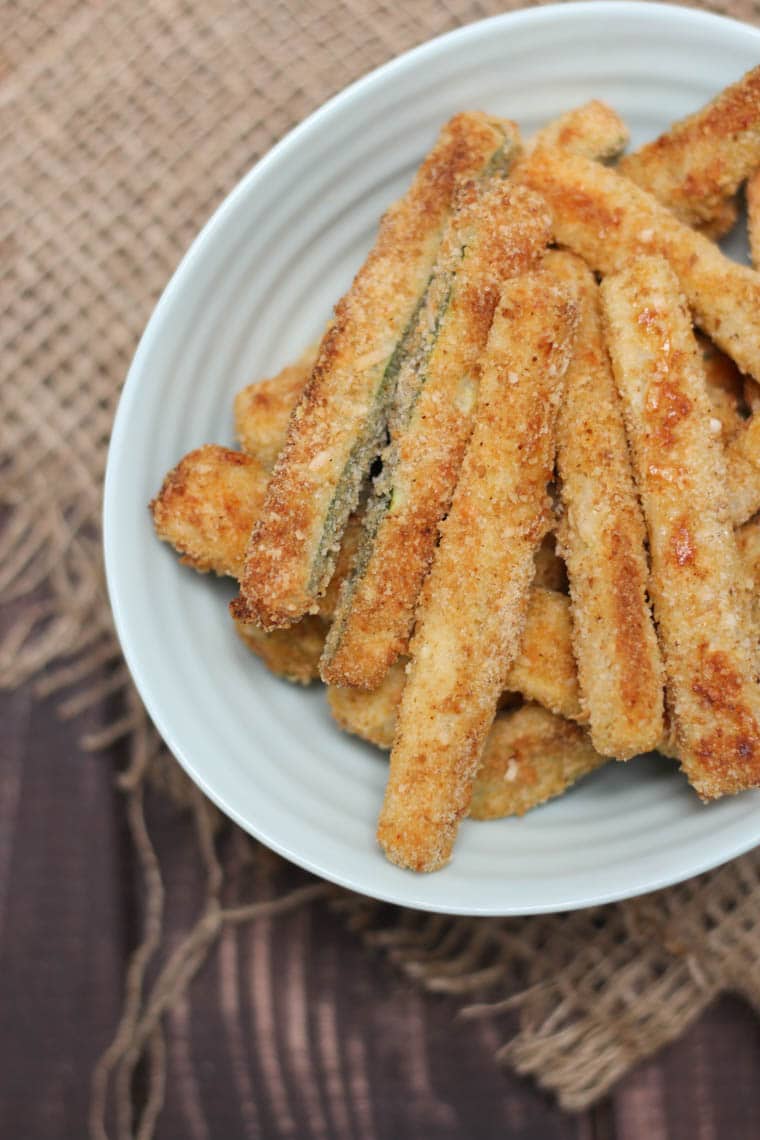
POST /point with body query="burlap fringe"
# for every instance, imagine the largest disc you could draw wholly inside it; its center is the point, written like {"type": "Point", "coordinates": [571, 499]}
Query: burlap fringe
{"type": "Point", "coordinates": [580, 998]}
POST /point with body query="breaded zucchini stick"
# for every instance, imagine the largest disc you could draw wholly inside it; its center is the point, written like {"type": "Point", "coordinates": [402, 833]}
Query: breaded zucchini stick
{"type": "Point", "coordinates": [337, 428]}
{"type": "Point", "coordinates": [702, 160]}
{"type": "Point", "coordinates": [601, 538]}
{"type": "Point", "coordinates": [701, 603]}
{"type": "Point", "coordinates": [530, 756]}
{"type": "Point", "coordinates": [593, 129]}
{"type": "Point", "coordinates": [544, 669]}
{"type": "Point", "coordinates": [472, 608]}
{"type": "Point", "coordinates": [753, 216]}
{"type": "Point", "coordinates": [207, 505]}
{"type": "Point", "coordinates": [370, 714]}
{"type": "Point", "coordinates": [608, 221]}
{"type": "Point", "coordinates": [290, 653]}
{"type": "Point", "coordinates": [495, 232]}
{"type": "Point", "coordinates": [263, 409]}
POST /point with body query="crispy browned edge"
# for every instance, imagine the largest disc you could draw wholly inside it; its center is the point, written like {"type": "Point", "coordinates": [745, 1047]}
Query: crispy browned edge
{"type": "Point", "coordinates": [593, 129]}
{"type": "Point", "coordinates": [263, 409]}
{"type": "Point", "coordinates": [207, 505]}
{"type": "Point", "coordinates": [753, 216]}
{"type": "Point", "coordinates": [700, 599]}
{"type": "Point", "coordinates": [530, 756]}
{"type": "Point", "coordinates": [698, 164]}
{"type": "Point", "coordinates": [602, 540]}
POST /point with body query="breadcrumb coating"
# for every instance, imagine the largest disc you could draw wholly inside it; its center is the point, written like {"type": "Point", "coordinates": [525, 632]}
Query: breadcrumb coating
{"type": "Point", "coordinates": [753, 216]}
{"type": "Point", "coordinates": [602, 540]}
{"type": "Point", "coordinates": [530, 757]}
{"type": "Point", "coordinates": [701, 602]}
{"type": "Point", "coordinates": [743, 471]}
{"type": "Point", "coordinates": [544, 669]}
{"type": "Point", "coordinates": [289, 653]}
{"type": "Point", "coordinates": [700, 161]}
{"type": "Point", "coordinates": [473, 605]}
{"type": "Point", "coordinates": [608, 220]}
{"type": "Point", "coordinates": [593, 130]}
{"type": "Point", "coordinates": [263, 409]}
{"type": "Point", "coordinates": [207, 505]}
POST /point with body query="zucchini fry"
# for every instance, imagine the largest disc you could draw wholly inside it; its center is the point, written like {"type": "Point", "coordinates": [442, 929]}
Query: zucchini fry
{"type": "Point", "coordinates": [263, 409]}
{"type": "Point", "coordinates": [701, 161]}
{"type": "Point", "coordinates": [495, 232]}
{"type": "Point", "coordinates": [289, 653]}
{"type": "Point", "coordinates": [337, 428]}
{"type": "Point", "coordinates": [753, 216]}
{"type": "Point", "coordinates": [544, 669]}
{"type": "Point", "coordinates": [207, 505]}
{"type": "Point", "coordinates": [370, 714]}
{"type": "Point", "coordinates": [608, 221]}
{"type": "Point", "coordinates": [701, 603]}
{"type": "Point", "coordinates": [472, 608]}
{"type": "Point", "coordinates": [593, 130]}
{"type": "Point", "coordinates": [530, 756]}
{"type": "Point", "coordinates": [601, 538]}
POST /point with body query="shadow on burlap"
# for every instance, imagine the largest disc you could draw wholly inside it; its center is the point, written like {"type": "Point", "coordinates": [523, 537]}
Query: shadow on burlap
{"type": "Point", "coordinates": [123, 127]}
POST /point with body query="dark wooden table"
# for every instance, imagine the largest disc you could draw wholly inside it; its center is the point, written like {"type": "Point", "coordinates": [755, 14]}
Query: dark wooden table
{"type": "Point", "coordinates": [293, 1029]}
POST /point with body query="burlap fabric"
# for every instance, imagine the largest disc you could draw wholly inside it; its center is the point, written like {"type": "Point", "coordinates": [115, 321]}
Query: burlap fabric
{"type": "Point", "coordinates": [123, 126]}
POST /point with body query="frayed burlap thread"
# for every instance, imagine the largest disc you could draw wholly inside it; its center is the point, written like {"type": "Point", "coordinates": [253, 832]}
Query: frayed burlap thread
{"type": "Point", "coordinates": [122, 126]}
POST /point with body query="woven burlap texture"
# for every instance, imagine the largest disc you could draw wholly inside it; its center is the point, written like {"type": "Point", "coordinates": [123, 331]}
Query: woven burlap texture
{"type": "Point", "coordinates": [123, 126]}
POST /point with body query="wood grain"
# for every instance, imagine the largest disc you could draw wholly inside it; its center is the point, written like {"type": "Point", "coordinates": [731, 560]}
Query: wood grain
{"type": "Point", "coordinates": [293, 1029]}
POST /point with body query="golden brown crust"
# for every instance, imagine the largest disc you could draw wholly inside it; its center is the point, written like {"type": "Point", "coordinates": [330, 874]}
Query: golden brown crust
{"type": "Point", "coordinates": [290, 653]}
{"type": "Point", "coordinates": [472, 608]}
{"type": "Point", "coordinates": [700, 599]}
{"type": "Point", "coordinates": [207, 505]}
{"type": "Point", "coordinates": [263, 409]}
{"type": "Point", "coordinates": [530, 757]}
{"type": "Point", "coordinates": [725, 387]}
{"type": "Point", "coordinates": [601, 539]}
{"type": "Point", "coordinates": [701, 161]}
{"type": "Point", "coordinates": [608, 220]}
{"type": "Point", "coordinates": [370, 715]}
{"type": "Point", "coordinates": [743, 471]}
{"type": "Point", "coordinates": [593, 129]}
{"type": "Point", "coordinates": [753, 216]}
{"type": "Point", "coordinates": [502, 230]}
{"type": "Point", "coordinates": [544, 669]}
{"type": "Point", "coordinates": [335, 431]}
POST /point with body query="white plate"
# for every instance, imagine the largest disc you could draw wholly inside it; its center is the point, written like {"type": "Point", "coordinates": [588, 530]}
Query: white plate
{"type": "Point", "coordinates": [254, 289]}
